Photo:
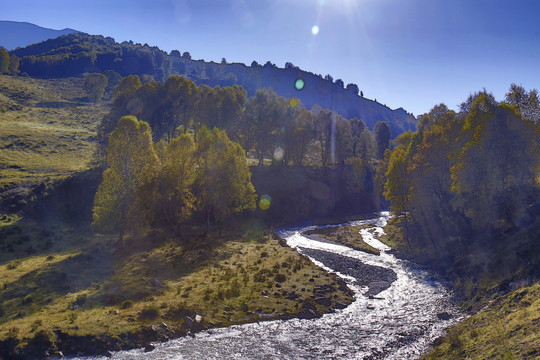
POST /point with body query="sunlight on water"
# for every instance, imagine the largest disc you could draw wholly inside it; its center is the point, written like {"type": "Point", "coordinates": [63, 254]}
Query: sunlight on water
{"type": "Point", "coordinates": [398, 323]}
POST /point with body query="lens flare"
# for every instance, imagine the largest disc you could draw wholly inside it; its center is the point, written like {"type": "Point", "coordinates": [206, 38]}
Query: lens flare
{"type": "Point", "coordinates": [278, 154]}
{"type": "Point", "coordinates": [315, 30]}
{"type": "Point", "coordinates": [299, 84]}
{"type": "Point", "coordinates": [264, 202]}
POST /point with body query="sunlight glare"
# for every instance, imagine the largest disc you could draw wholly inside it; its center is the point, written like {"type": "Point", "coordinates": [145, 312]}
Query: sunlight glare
{"type": "Point", "coordinates": [315, 30]}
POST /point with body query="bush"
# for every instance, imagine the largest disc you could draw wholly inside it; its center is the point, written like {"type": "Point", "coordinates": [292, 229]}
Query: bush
{"type": "Point", "coordinates": [126, 304]}
{"type": "Point", "coordinates": [149, 312]}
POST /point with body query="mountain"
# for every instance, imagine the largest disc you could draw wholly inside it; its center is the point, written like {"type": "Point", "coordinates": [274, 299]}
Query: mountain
{"type": "Point", "coordinates": [20, 34]}
{"type": "Point", "coordinates": [75, 54]}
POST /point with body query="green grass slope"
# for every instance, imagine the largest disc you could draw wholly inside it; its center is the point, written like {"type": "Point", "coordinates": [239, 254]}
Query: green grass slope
{"type": "Point", "coordinates": [48, 132]}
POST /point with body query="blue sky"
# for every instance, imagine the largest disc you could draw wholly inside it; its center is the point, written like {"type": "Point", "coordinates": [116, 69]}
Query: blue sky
{"type": "Point", "coordinates": [405, 53]}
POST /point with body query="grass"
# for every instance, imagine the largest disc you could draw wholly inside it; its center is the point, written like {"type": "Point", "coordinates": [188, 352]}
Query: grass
{"type": "Point", "coordinates": [508, 328]}
{"type": "Point", "coordinates": [48, 130]}
{"type": "Point", "coordinates": [81, 284]}
{"type": "Point", "coordinates": [346, 235]}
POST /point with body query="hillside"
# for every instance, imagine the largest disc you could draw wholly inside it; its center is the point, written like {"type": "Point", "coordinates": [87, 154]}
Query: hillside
{"type": "Point", "coordinates": [48, 132]}
{"type": "Point", "coordinates": [74, 54]}
{"type": "Point", "coordinates": [20, 34]}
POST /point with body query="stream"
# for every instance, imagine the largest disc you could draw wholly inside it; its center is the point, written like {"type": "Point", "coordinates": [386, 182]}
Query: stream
{"type": "Point", "coordinates": [395, 318]}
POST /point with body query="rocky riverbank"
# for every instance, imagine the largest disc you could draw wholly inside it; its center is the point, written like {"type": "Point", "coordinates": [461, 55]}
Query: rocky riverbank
{"type": "Point", "coordinates": [376, 278]}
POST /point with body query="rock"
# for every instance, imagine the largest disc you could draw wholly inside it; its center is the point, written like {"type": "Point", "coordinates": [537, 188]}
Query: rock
{"type": "Point", "coordinates": [60, 354]}
{"type": "Point", "coordinates": [156, 282]}
{"type": "Point", "coordinates": [323, 301]}
{"type": "Point", "coordinates": [245, 308]}
{"type": "Point", "coordinates": [276, 294]}
{"type": "Point", "coordinates": [339, 305]}
{"type": "Point", "coordinates": [371, 307]}
{"type": "Point", "coordinates": [115, 312]}
{"type": "Point", "coordinates": [263, 293]}
{"type": "Point", "coordinates": [198, 319]}
{"type": "Point", "coordinates": [444, 316]}
{"type": "Point", "coordinates": [149, 347]}
{"type": "Point", "coordinates": [163, 325]}
{"type": "Point", "coordinates": [278, 285]}
{"type": "Point", "coordinates": [107, 353]}
{"type": "Point", "coordinates": [189, 333]}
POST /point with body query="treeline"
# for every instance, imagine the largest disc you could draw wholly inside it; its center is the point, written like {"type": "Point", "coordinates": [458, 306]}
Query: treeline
{"type": "Point", "coordinates": [465, 181]}
{"type": "Point", "coordinates": [76, 54]}
{"type": "Point", "coordinates": [270, 127]}
{"type": "Point", "coordinates": [170, 183]}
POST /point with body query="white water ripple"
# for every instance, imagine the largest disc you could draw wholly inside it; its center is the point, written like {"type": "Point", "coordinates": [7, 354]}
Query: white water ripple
{"type": "Point", "coordinates": [400, 323]}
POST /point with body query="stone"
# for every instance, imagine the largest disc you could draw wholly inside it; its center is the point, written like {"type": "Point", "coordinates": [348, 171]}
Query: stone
{"type": "Point", "coordinates": [188, 322]}
{"type": "Point", "coordinates": [198, 319]}
{"type": "Point", "coordinates": [444, 316]}
{"type": "Point", "coordinates": [149, 347]}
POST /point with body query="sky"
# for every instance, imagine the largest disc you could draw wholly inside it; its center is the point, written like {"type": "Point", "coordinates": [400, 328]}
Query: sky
{"type": "Point", "coordinates": [404, 53]}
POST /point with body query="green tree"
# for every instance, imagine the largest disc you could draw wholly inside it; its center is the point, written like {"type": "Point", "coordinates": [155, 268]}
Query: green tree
{"type": "Point", "coordinates": [13, 65]}
{"type": "Point", "coordinates": [494, 170]}
{"type": "Point", "coordinates": [174, 198]}
{"type": "Point", "coordinates": [223, 183]}
{"type": "Point", "coordinates": [4, 61]}
{"type": "Point", "coordinates": [381, 130]}
{"type": "Point", "coordinates": [122, 197]}
{"type": "Point", "coordinates": [357, 127]}
{"type": "Point", "coordinates": [95, 85]}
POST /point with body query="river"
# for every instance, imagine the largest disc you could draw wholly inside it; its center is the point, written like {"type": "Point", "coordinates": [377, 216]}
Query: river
{"type": "Point", "coordinates": [399, 322]}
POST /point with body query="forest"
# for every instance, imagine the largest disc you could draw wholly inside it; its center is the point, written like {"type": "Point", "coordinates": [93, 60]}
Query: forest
{"type": "Point", "coordinates": [186, 148]}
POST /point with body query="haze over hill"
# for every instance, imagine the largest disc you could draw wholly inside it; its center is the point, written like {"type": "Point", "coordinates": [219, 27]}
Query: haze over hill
{"type": "Point", "coordinates": [75, 54]}
{"type": "Point", "coordinates": [20, 34]}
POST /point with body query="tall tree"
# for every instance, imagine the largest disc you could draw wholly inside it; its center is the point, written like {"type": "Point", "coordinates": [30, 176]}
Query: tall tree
{"type": "Point", "coordinates": [174, 198]}
{"type": "Point", "coordinates": [4, 61]}
{"type": "Point", "coordinates": [132, 166]}
{"type": "Point", "coordinates": [381, 130]}
{"type": "Point", "coordinates": [223, 184]}
{"type": "Point", "coordinates": [95, 85]}
{"type": "Point", "coordinates": [13, 65]}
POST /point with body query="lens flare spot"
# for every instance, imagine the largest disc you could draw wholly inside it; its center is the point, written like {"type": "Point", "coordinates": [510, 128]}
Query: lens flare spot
{"type": "Point", "coordinates": [315, 30]}
{"type": "Point", "coordinates": [299, 84]}
{"type": "Point", "coordinates": [293, 102]}
{"type": "Point", "coordinates": [264, 202]}
{"type": "Point", "coordinates": [278, 154]}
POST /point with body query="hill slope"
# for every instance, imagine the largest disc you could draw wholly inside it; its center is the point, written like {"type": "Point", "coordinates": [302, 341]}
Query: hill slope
{"type": "Point", "coordinates": [20, 34]}
{"type": "Point", "coordinates": [74, 54]}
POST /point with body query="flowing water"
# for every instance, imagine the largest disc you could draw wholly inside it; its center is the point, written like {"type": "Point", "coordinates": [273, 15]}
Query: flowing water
{"type": "Point", "coordinates": [398, 323]}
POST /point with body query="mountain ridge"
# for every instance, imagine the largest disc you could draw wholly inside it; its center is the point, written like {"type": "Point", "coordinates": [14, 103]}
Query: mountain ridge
{"type": "Point", "coordinates": [21, 33]}
{"type": "Point", "coordinates": [75, 54]}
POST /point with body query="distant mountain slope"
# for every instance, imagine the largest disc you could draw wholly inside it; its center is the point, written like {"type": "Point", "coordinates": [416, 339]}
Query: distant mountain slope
{"type": "Point", "coordinates": [74, 54]}
{"type": "Point", "coordinates": [20, 34]}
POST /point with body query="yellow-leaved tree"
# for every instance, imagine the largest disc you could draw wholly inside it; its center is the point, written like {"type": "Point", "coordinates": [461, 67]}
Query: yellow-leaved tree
{"type": "Point", "coordinates": [132, 167]}
{"type": "Point", "coordinates": [223, 184]}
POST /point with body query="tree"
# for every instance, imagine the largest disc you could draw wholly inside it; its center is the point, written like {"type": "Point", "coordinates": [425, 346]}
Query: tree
{"type": "Point", "coordinates": [4, 61]}
{"type": "Point", "coordinates": [339, 83]}
{"type": "Point", "coordinates": [353, 87]}
{"type": "Point", "coordinates": [495, 168]}
{"type": "Point", "coordinates": [113, 79]}
{"type": "Point", "coordinates": [186, 55]}
{"type": "Point", "coordinates": [13, 64]}
{"type": "Point", "coordinates": [132, 166]}
{"type": "Point", "coordinates": [223, 184]}
{"type": "Point", "coordinates": [174, 198]}
{"type": "Point", "coordinates": [334, 135]}
{"type": "Point", "coordinates": [357, 127]}
{"type": "Point", "coordinates": [263, 116]}
{"type": "Point", "coordinates": [381, 130]}
{"type": "Point", "coordinates": [527, 103]}
{"type": "Point", "coordinates": [95, 85]}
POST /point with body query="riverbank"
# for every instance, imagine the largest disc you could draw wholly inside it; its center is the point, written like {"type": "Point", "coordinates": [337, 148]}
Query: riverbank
{"type": "Point", "coordinates": [84, 295]}
{"type": "Point", "coordinates": [503, 304]}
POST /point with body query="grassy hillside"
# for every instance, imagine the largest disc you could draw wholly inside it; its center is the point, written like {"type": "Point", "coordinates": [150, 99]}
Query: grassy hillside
{"type": "Point", "coordinates": [48, 131]}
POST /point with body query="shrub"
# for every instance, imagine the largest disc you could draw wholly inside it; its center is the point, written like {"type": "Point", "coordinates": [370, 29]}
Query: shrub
{"type": "Point", "coordinates": [126, 304]}
{"type": "Point", "coordinates": [149, 312]}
